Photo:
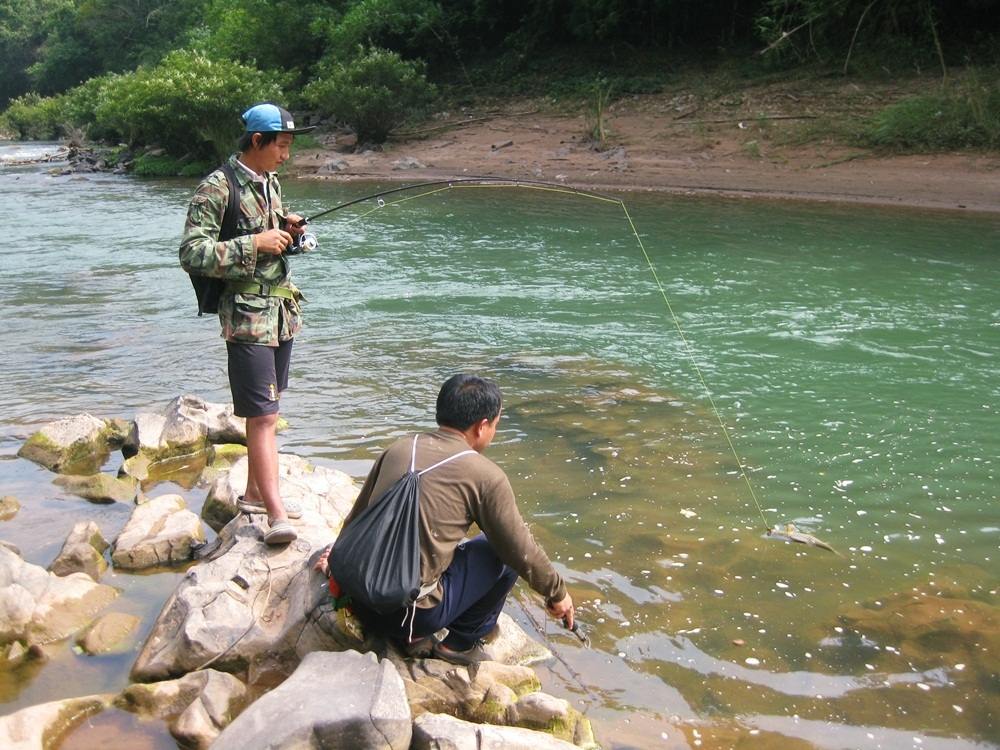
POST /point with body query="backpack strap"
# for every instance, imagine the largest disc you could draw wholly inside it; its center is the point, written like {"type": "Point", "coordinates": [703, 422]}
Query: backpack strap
{"type": "Point", "coordinates": [230, 216]}
{"type": "Point", "coordinates": [413, 459]}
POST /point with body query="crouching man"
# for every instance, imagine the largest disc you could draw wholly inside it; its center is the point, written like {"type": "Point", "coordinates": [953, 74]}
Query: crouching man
{"type": "Point", "coordinates": [464, 582]}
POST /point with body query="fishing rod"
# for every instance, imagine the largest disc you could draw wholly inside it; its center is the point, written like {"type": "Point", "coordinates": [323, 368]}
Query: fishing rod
{"type": "Point", "coordinates": [435, 186]}
{"type": "Point", "coordinates": [481, 179]}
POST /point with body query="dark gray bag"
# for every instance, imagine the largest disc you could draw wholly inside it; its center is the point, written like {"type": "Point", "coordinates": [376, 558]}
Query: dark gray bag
{"type": "Point", "coordinates": [376, 559]}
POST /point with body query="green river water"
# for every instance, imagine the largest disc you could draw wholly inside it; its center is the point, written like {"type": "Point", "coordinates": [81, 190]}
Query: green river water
{"type": "Point", "coordinates": [853, 354]}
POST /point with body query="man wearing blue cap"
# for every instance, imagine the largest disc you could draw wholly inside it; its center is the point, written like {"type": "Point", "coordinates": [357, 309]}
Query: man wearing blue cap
{"type": "Point", "coordinates": [258, 305]}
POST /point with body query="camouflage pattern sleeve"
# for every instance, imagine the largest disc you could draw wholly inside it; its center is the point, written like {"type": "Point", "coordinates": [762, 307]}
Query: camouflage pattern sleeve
{"type": "Point", "coordinates": [200, 252]}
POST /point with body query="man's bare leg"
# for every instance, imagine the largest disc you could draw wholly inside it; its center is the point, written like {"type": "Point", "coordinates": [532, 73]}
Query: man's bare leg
{"type": "Point", "coordinates": [262, 465]}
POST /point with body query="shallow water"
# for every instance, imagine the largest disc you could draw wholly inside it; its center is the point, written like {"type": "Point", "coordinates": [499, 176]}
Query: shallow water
{"type": "Point", "coordinates": [852, 353]}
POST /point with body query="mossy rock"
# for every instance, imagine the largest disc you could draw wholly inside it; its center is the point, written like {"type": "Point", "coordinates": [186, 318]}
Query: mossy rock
{"type": "Point", "coordinates": [81, 457]}
{"type": "Point", "coordinates": [98, 488]}
{"type": "Point", "coordinates": [225, 455]}
{"type": "Point", "coordinates": [9, 506]}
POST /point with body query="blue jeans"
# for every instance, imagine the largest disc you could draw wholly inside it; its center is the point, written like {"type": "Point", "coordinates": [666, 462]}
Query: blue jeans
{"type": "Point", "coordinates": [475, 588]}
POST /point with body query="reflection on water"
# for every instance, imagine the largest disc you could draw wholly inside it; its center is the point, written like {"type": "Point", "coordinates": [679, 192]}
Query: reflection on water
{"type": "Point", "coordinates": [851, 352]}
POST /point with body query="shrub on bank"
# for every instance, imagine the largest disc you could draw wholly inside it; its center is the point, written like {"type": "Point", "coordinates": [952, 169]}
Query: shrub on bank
{"type": "Point", "coordinates": [965, 116]}
{"type": "Point", "coordinates": [35, 118]}
{"type": "Point", "coordinates": [373, 93]}
{"type": "Point", "coordinates": [188, 104]}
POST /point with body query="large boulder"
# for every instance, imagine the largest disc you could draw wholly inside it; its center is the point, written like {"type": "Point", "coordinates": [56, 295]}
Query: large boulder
{"type": "Point", "coordinates": [299, 481]}
{"type": "Point", "coordinates": [41, 727]}
{"type": "Point", "coordinates": [98, 488]}
{"type": "Point", "coordinates": [82, 552]}
{"type": "Point", "coordinates": [334, 701]}
{"type": "Point", "coordinates": [73, 445]}
{"type": "Point", "coordinates": [251, 607]}
{"type": "Point", "coordinates": [443, 732]}
{"type": "Point", "coordinates": [39, 607]}
{"type": "Point", "coordinates": [197, 707]}
{"type": "Point", "coordinates": [189, 425]}
{"type": "Point", "coordinates": [161, 531]}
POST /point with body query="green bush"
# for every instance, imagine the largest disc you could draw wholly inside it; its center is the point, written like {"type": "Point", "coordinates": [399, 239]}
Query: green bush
{"type": "Point", "coordinates": [967, 116]}
{"type": "Point", "coordinates": [374, 93]}
{"type": "Point", "coordinates": [34, 117]}
{"type": "Point", "coordinates": [188, 103]}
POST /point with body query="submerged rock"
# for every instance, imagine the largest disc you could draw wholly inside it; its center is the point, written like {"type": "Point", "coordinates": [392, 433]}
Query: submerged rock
{"type": "Point", "coordinates": [333, 701]}
{"type": "Point", "coordinates": [82, 552]}
{"type": "Point", "coordinates": [98, 488]}
{"type": "Point", "coordinates": [39, 607]}
{"type": "Point", "coordinates": [42, 726]}
{"type": "Point", "coordinates": [9, 506]}
{"type": "Point", "coordinates": [159, 532]}
{"type": "Point", "coordinates": [197, 707]}
{"type": "Point", "coordinates": [107, 634]}
{"type": "Point", "coordinates": [73, 445]}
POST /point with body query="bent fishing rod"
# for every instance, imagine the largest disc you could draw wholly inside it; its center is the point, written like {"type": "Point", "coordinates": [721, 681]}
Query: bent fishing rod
{"type": "Point", "coordinates": [436, 186]}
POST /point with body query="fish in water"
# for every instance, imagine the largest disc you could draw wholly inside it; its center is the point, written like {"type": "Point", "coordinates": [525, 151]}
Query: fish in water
{"type": "Point", "coordinates": [789, 532]}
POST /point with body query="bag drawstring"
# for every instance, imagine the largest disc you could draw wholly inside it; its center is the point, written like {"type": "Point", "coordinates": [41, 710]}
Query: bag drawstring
{"type": "Point", "coordinates": [412, 614]}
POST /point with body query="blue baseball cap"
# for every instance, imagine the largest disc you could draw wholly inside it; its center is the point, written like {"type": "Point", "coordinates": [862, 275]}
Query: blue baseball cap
{"type": "Point", "coordinates": [270, 118]}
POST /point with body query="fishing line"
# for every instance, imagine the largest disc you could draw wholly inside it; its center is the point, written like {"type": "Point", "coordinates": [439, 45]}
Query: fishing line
{"type": "Point", "coordinates": [508, 182]}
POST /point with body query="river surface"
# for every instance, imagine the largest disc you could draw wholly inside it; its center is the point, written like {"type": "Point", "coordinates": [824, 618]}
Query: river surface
{"type": "Point", "coordinates": [852, 353]}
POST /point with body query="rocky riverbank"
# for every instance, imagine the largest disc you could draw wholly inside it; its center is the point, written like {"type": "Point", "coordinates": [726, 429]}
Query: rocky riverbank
{"type": "Point", "coordinates": [246, 617]}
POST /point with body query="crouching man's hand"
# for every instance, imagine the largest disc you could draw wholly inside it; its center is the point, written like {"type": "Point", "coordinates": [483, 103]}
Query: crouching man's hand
{"type": "Point", "coordinates": [563, 610]}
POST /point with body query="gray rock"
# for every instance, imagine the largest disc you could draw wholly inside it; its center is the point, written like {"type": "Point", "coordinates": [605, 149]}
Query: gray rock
{"type": "Point", "coordinates": [82, 552]}
{"type": "Point", "coordinates": [332, 166]}
{"type": "Point", "coordinates": [197, 707]}
{"type": "Point", "coordinates": [408, 162]}
{"type": "Point", "coordinates": [298, 480]}
{"type": "Point", "coordinates": [333, 701]}
{"type": "Point", "coordinates": [248, 606]}
{"type": "Point", "coordinates": [40, 607]}
{"type": "Point", "coordinates": [42, 726]}
{"type": "Point", "coordinates": [108, 634]}
{"type": "Point", "coordinates": [188, 426]}
{"type": "Point", "coordinates": [9, 506]}
{"type": "Point", "coordinates": [98, 488]}
{"type": "Point", "coordinates": [77, 444]}
{"type": "Point", "coordinates": [443, 732]}
{"type": "Point", "coordinates": [540, 710]}
{"type": "Point", "coordinates": [159, 532]}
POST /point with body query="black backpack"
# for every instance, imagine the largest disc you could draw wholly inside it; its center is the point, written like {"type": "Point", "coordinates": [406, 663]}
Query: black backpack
{"type": "Point", "coordinates": [208, 289]}
{"type": "Point", "coordinates": [376, 559]}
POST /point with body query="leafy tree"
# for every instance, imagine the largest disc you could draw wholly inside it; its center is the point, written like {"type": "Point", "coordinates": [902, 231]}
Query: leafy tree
{"type": "Point", "coordinates": [188, 103]}
{"type": "Point", "coordinates": [22, 33]}
{"type": "Point", "coordinates": [373, 93]}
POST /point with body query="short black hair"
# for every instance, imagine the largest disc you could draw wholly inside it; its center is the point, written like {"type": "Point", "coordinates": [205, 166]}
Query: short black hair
{"type": "Point", "coordinates": [465, 399]}
{"type": "Point", "coordinates": [245, 143]}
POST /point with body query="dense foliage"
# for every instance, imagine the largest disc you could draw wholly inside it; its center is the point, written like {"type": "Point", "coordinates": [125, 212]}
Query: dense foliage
{"type": "Point", "coordinates": [128, 53]}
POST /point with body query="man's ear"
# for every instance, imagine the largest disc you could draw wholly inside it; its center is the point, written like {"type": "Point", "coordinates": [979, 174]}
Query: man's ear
{"type": "Point", "coordinates": [255, 140]}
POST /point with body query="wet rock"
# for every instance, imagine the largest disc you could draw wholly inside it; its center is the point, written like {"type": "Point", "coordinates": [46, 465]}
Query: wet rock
{"type": "Point", "coordinates": [17, 653]}
{"type": "Point", "coordinates": [39, 607]}
{"type": "Point", "coordinates": [188, 426]}
{"type": "Point", "coordinates": [334, 700]}
{"type": "Point", "coordinates": [9, 506]}
{"type": "Point", "coordinates": [108, 634]}
{"type": "Point", "coordinates": [254, 607]}
{"type": "Point", "coordinates": [42, 726]}
{"type": "Point", "coordinates": [82, 552]}
{"type": "Point", "coordinates": [539, 710]}
{"type": "Point", "coordinates": [298, 480]}
{"type": "Point", "coordinates": [98, 488]}
{"type": "Point", "coordinates": [123, 434]}
{"type": "Point", "coordinates": [436, 731]}
{"type": "Point", "coordinates": [197, 707]}
{"type": "Point", "coordinates": [159, 532]}
{"type": "Point", "coordinates": [77, 444]}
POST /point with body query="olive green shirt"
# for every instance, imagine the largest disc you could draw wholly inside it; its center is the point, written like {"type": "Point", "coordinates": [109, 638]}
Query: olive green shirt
{"type": "Point", "coordinates": [470, 489]}
{"type": "Point", "coordinates": [245, 318]}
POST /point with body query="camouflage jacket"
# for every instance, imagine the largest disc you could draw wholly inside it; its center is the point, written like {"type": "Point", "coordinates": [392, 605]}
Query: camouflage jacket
{"type": "Point", "coordinates": [245, 318]}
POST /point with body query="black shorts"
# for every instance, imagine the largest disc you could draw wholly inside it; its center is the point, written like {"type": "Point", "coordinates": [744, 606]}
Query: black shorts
{"type": "Point", "coordinates": [257, 376]}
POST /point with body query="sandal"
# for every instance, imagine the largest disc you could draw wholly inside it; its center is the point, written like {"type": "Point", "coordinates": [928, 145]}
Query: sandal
{"type": "Point", "coordinates": [280, 533]}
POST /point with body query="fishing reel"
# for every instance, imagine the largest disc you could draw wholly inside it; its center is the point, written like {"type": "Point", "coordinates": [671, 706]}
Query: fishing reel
{"type": "Point", "coordinates": [304, 243]}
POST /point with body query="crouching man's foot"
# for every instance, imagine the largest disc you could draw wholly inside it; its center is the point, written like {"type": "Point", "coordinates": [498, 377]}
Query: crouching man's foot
{"type": "Point", "coordinates": [469, 656]}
